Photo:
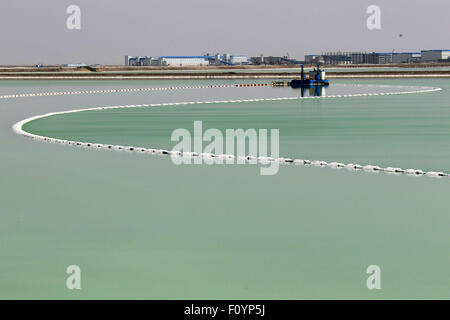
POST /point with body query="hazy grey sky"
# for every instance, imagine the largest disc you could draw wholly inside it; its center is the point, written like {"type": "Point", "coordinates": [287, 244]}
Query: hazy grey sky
{"type": "Point", "coordinates": [35, 31]}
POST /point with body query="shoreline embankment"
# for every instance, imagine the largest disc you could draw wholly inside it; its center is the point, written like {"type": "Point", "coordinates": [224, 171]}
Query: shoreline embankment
{"type": "Point", "coordinates": [279, 72]}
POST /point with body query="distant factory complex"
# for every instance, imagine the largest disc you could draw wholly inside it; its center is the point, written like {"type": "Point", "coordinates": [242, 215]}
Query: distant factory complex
{"type": "Point", "coordinates": [182, 61]}
{"type": "Point", "coordinates": [379, 58]}
{"type": "Point", "coordinates": [206, 60]}
{"type": "Point", "coordinates": [329, 58]}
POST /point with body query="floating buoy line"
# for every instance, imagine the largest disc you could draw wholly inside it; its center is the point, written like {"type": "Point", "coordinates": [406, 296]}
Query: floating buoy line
{"type": "Point", "coordinates": [18, 127]}
{"type": "Point", "coordinates": [64, 93]}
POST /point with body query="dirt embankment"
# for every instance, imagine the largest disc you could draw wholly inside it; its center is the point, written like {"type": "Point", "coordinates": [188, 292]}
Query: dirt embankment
{"type": "Point", "coordinates": [238, 72]}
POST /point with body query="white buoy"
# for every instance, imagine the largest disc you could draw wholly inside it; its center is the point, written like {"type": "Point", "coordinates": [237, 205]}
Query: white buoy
{"type": "Point", "coordinates": [336, 165]}
{"type": "Point", "coordinates": [206, 155]}
{"type": "Point", "coordinates": [176, 153]}
{"type": "Point", "coordinates": [435, 174]}
{"type": "Point", "coordinates": [222, 156]}
{"type": "Point", "coordinates": [318, 163]}
{"type": "Point", "coordinates": [414, 171]}
{"type": "Point", "coordinates": [352, 166]}
{"type": "Point", "coordinates": [187, 154]}
{"type": "Point", "coordinates": [371, 168]}
{"type": "Point", "coordinates": [299, 162]}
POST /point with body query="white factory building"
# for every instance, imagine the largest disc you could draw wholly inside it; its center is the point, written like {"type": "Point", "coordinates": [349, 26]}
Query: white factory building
{"type": "Point", "coordinates": [435, 55]}
{"type": "Point", "coordinates": [239, 59]}
{"type": "Point", "coordinates": [183, 61]}
{"type": "Point", "coordinates": [141, 61]}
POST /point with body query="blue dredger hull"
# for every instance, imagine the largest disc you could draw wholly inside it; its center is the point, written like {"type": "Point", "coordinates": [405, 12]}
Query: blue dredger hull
{"type": "Point", "coordinates": [309, 83]}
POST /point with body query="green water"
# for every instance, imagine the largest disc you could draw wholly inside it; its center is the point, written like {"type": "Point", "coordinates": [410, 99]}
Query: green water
{"type": "Point", "coordinates": [351, 130]}
{"type": "Point", "coordinates": [141, 227]}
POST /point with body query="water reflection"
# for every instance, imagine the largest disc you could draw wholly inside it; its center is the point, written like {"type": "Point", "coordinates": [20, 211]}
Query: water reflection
{"type": "Point", "coordinates": [308, 91]}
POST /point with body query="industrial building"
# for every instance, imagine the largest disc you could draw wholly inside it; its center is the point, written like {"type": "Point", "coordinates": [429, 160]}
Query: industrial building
{"type": "Point", "coordinates": [236, 60]}
{"type": "Point", "coordinates": [140, 61]}
{"type": "Point", "coordinates": [75, 65]}
{"type": "Point", "coordinates": [329, 58]}
{"type": "Point", "coordinates": [349, 58]}
{"type": "Point", "coordinates": [406, 57]}
{"type": "Point", "coordinates": [270, 60]}
{"type": "Point", "coordinates": [335, 58]}
{"type": "Point", "coordinates": [383, 58]}
{"type": "Point", "coordinates": [313, 58]}
{"type": "Point", "coordinates": [182, 61]}
{"type": "Point", "coordinates": [227, 59]}
{"type": "Point", "coordinates": [435, 55]}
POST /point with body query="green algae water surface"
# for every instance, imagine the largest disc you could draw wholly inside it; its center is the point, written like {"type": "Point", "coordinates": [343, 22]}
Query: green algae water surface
{"type": "Point", "coordinates": [142, 227]}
